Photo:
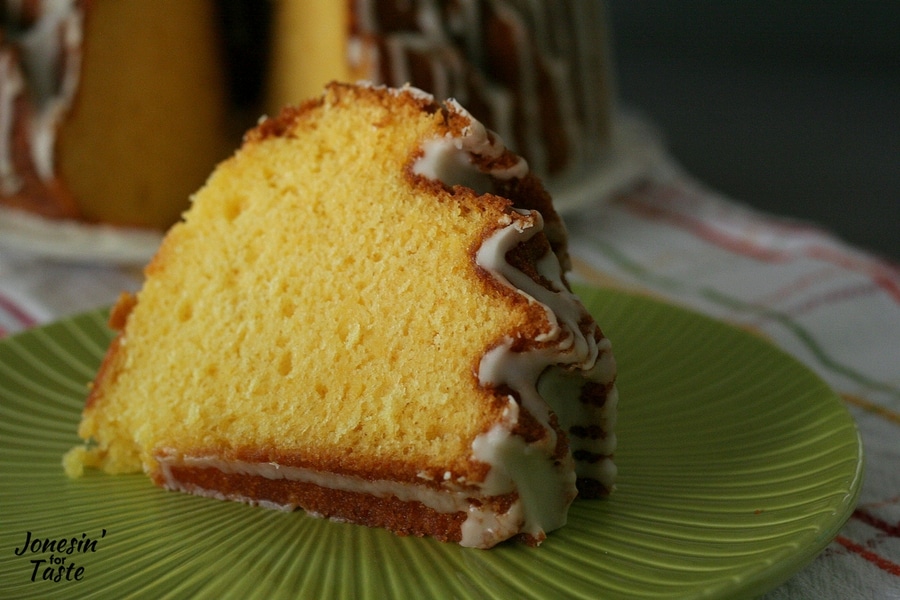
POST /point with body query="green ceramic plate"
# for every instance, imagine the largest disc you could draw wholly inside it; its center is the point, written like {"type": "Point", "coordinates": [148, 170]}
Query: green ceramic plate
{"type": "Point", "coordinates": [737, 466]}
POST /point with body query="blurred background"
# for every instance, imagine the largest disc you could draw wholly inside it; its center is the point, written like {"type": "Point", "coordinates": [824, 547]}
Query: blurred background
{"type": "Point", "coordinates": [792, 107]}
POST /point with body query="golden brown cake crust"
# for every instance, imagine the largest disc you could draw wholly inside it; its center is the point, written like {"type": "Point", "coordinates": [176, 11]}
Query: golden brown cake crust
{"type": "Point", "coordinates": [398, 516]}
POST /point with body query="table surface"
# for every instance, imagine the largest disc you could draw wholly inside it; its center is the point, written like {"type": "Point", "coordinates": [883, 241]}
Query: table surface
{"type": "Point", "coordinates": [834, 307]}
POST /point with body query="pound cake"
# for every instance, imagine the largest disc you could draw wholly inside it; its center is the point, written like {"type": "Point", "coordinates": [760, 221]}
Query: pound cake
{"type": "Point", "coordinates": [364, 314]}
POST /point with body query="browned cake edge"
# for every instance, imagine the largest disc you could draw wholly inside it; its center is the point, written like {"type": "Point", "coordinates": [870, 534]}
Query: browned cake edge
{"type": "Point", "coordinates": [401, 517]}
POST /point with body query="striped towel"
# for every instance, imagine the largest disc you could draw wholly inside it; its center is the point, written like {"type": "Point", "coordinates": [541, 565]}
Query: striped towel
{"type": "Point", "coordinates": [833, 307]}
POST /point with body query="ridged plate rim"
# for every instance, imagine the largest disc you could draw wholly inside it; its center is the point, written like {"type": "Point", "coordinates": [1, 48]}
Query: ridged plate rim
{"type": "Point", "coordinates": [738, 465]}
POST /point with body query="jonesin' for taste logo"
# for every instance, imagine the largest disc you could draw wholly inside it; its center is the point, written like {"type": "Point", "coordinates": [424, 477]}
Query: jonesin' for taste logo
{"type": "Point", "coordinates": [57, 559]}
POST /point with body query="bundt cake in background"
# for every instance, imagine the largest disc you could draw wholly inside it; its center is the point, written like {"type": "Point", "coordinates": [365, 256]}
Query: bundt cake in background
{"type": "Point", "coordinates": [535, 72]}
{"type": "Point", "coordinates": [113, 111]}
{"type": "Point", "coordinates": [364, 315]}
{"type": "Point", "coordinates": [110, 111]}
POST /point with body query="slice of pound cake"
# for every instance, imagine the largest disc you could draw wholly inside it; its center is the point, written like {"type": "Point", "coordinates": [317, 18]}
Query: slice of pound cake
{"type": "Point", "coordinates": [364, 314]}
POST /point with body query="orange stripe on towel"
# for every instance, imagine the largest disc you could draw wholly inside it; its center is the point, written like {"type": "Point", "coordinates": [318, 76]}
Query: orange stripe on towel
{"type": "Point", "coordinates": [872, 407]}
{"type": "Point", "coordinates": [892, 529]}
{"type": "Point", "coordinates": [879, 561]}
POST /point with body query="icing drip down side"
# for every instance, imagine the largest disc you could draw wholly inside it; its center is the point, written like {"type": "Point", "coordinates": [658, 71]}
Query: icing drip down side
{"type": "Point", "coordinates": [570, 353]}
{"type": "Point", "coordinates": [568, 357]}
{"type": "Point", "coordinates": [525, 68]}
{"type": "Point", "coordinates": [449, 159]}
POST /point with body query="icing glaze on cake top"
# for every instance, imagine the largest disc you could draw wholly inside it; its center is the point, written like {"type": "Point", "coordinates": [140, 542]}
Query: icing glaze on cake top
{"type": "Point", "coordinates": [535, 71]}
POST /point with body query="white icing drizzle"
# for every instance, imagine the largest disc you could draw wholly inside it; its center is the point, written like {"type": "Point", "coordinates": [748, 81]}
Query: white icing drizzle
{"type": "Point", "coordinates": [545, 489]}
{"type": "Point", "coordinates": [51, 57]}
{"type": "Point", "coordinates": [482, 528]}
{"type": "Point", "coordinates": [562, 388]}
{"type": "Point", "coordinates": [11, 85]}
{"type": "Point", "coordinates": [449, 159]}
{"type": "Point", "coordinates": [443, 500]}
{"type": "Point", "coordinates": [566, 40]}
{"type": "Point", "coordinates": [55, 107]}
{"type": "Point", "coordinates": [527, 80]}
{"type": "Point", "coordinates": [567, 357]}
